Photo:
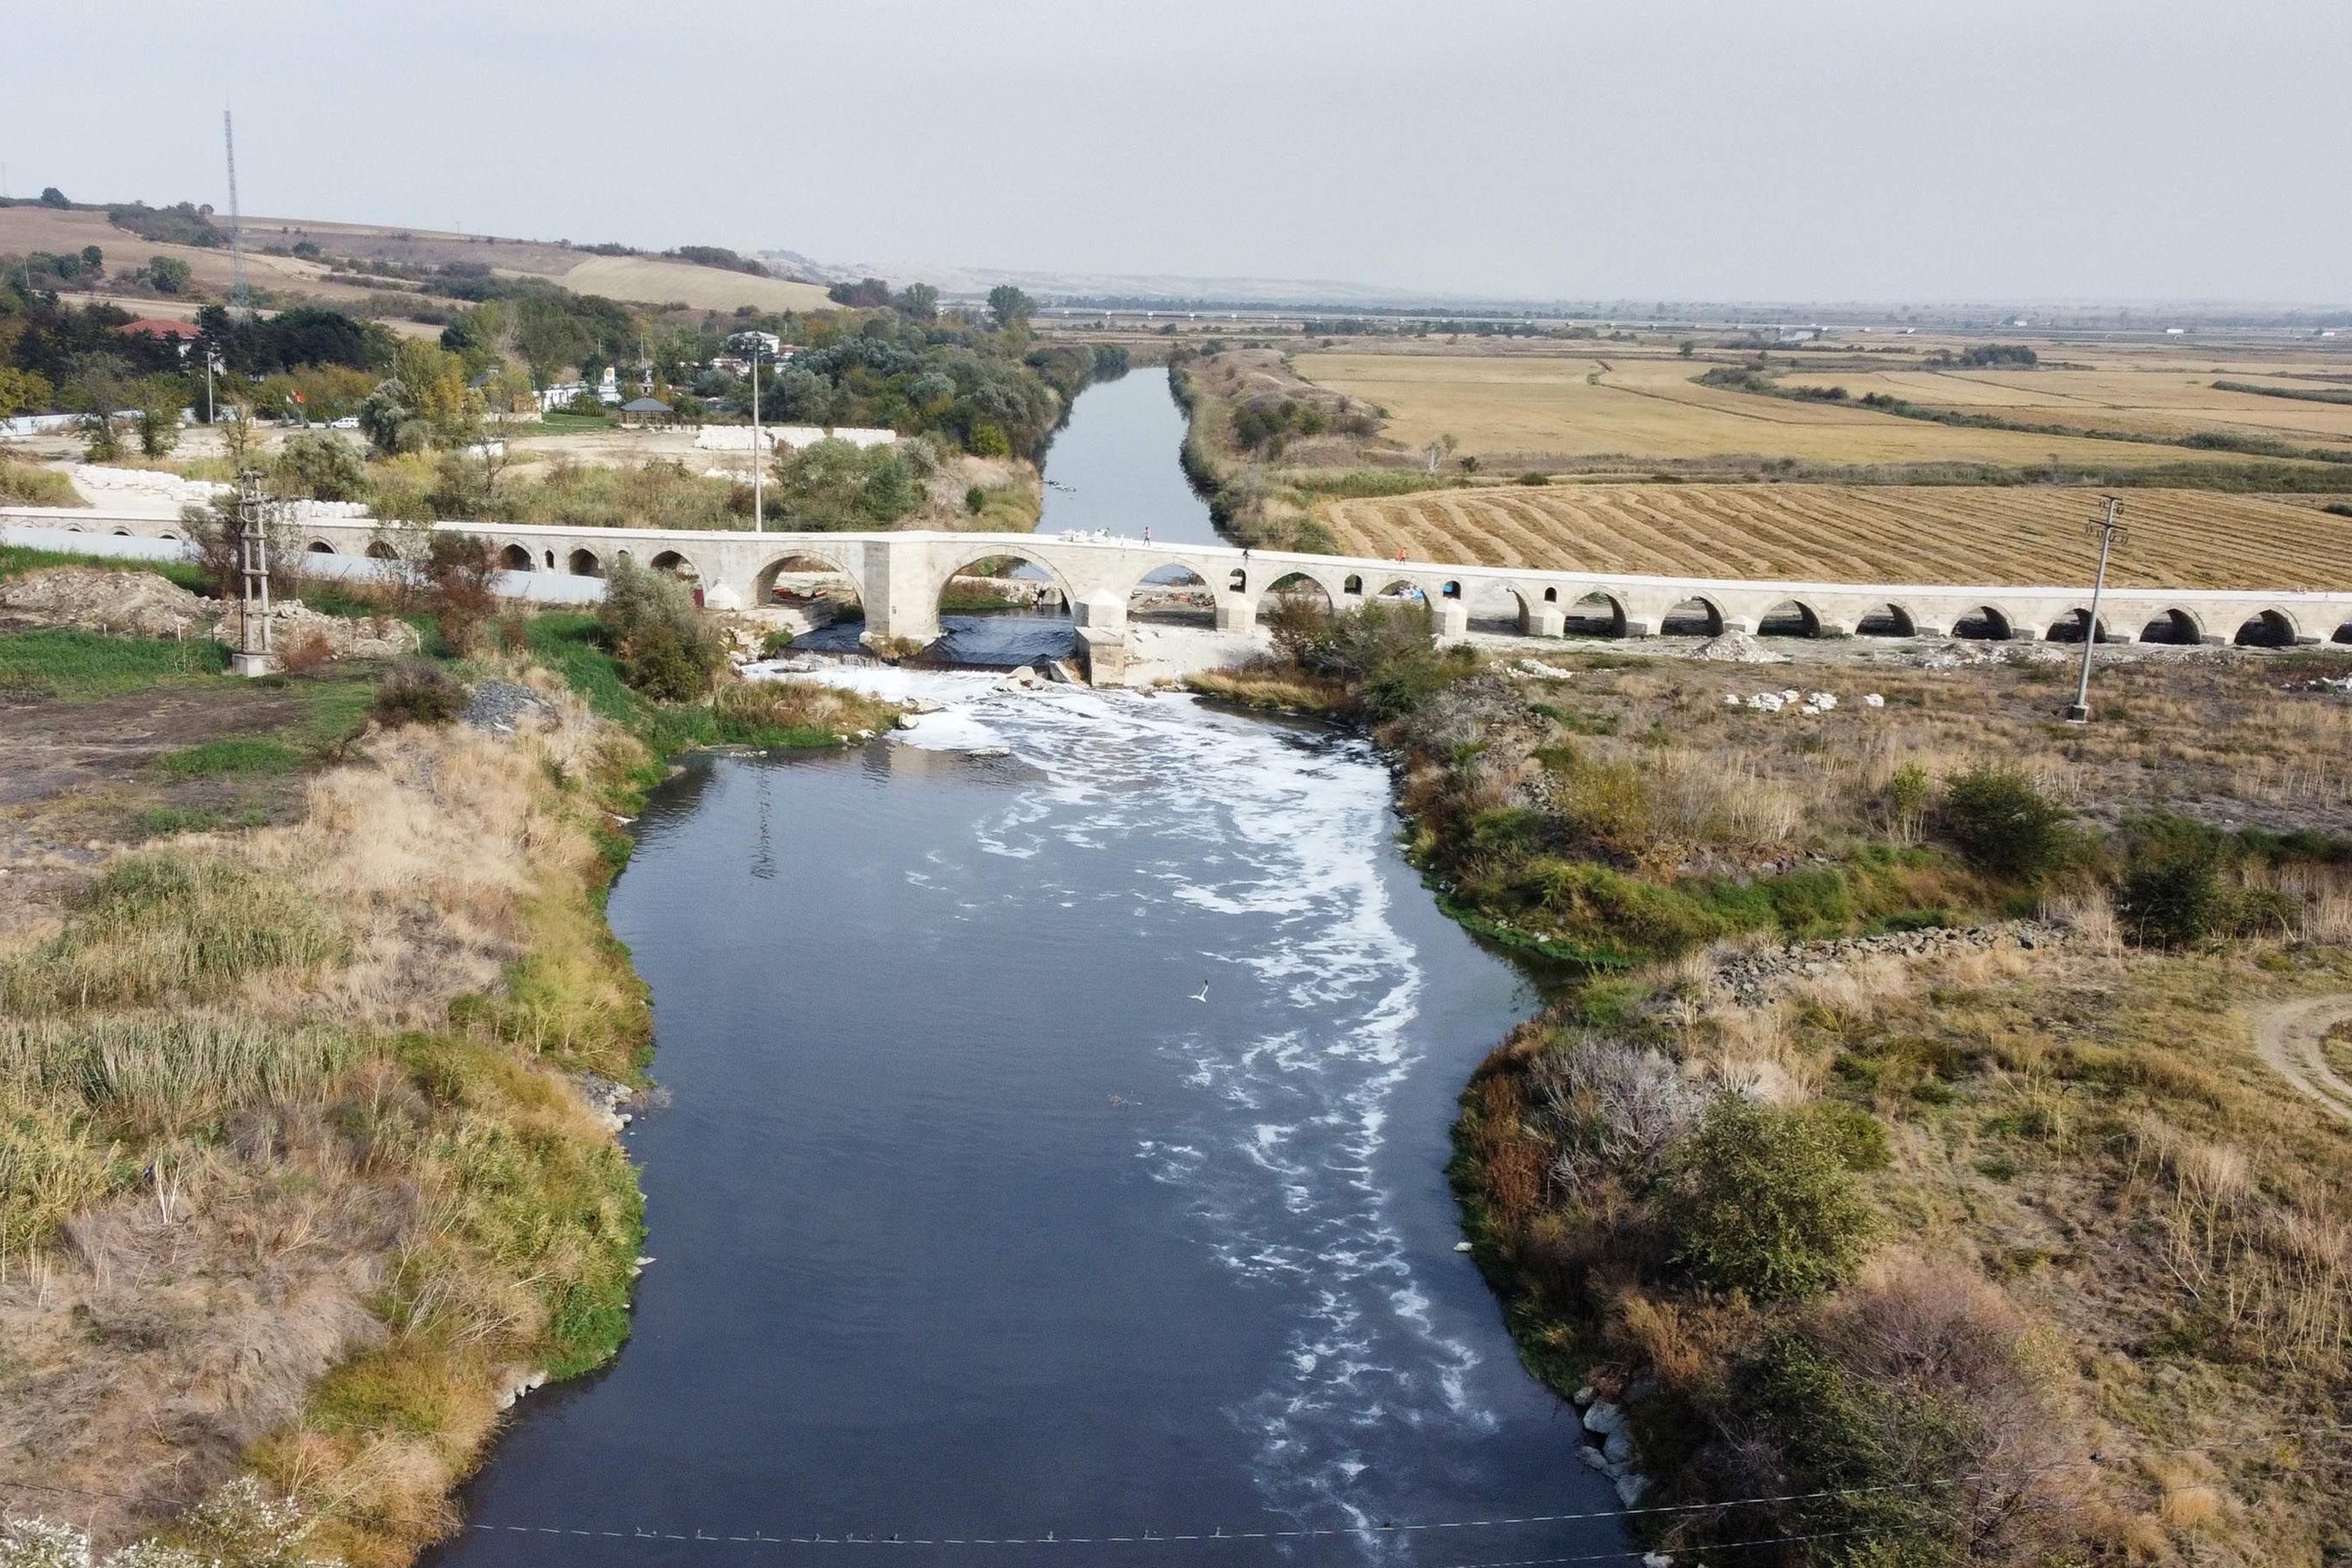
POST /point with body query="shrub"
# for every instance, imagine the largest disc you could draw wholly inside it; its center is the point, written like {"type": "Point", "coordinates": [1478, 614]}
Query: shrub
{"type": "Point", "coordinates": [1761, 1202]}
{"type": "Point", "coordinates": [1534, 478]}
{"type": "Point", "coordinates": [305, 651]}
{"type": "Point", "coordinates": [417, 691]}
{"type": "Point", "coordinates": [975, 500]}
{"type": "Point", "coordinates": [321, 466]}
{"type": "Point", "coordinates": [459, 574]}
{"type": "Point", "coordinates": [2003, 825]}
{"type": "Point", "coordinates": [657, 638]}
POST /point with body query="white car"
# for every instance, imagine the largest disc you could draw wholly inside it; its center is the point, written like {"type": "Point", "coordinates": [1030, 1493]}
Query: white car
{"type": "Point", "coordinates": [348, 422]}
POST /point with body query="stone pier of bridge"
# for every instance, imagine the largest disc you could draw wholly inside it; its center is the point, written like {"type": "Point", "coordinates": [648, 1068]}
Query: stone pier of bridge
{"type": "Point", "coordinates": [899, 578]}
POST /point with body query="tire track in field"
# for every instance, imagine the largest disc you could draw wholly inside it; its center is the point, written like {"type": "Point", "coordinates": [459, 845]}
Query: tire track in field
{"type": "Point", "coordinates": [2288, 1037]}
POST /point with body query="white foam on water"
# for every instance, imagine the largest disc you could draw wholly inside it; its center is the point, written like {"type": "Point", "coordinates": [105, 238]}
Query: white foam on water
{"type": "Point", "coordinates": [1275, 1157]}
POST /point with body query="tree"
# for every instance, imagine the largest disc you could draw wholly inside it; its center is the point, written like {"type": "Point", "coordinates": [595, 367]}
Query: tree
{"type": "Point", "coordinates": [2003, 825]}
{"type": "Point", "coordinates": [919, 302]}
{"type": "Point", "coordinates": [158, 399]}
{"type": "Point", "coordinates": [1760, 1201]}
{"type": "Point", "coordinates": [1689, 348]}
{"type": "Point", "coordinates": [53, 197]}
{"type": "Point", "coordinates": [1011, 307]}
{"type": "Point", "coordinates": [321, 466]}
{"type": "Point", "coordinates": [866, 294]}
{"type": "Point", "coordinates": [388, 418]}
{"type": "Point", "coordinates": [169, 274]}
{"type": "Point", "coordinates": [657, 638]}
{"type": "Point", "coordinates": [22, 391]}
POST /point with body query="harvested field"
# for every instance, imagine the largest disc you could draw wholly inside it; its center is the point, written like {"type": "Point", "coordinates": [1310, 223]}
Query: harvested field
{"type": "Point", "coordinates": [2169, 400]}
{"type": "Point", "coordinates": [29, 228]}
{"type": "Point", "coordinates": [655, 282]}
{"type": "Point", "coordinates": [1526, 408]}
{"type": "Point", "coordinates": [1992, 535]}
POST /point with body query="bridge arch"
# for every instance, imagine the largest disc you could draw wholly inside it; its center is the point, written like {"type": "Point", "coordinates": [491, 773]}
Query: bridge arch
{"type": "Point", "coordinates": [1172, 593]}
{"type": "Point", "coordinates": [817, 579]}
{"type": "Point", "coordinates": [1352, 586]}
{"type": "Point", "coordinates": [1789, 618]}
{"type": "Point", "coordinates": [1986, 623]}
{"type": "Point", "coordinates": [318, 547]}
{"type": "Point", "coordinates": [2172, 625]}
{"type": "Point", "coordinates": [2267, 628]}
{"type": "Point", "coordinates": [982, 556]}
{"type": "Point", "coordinates": [514, 558]}
{"type": "Point", "coordinates": [1886, 620]}
{"type": "Point", "coordinates": [125, 533]}
{"type": "Point", "coordinates": [1293, 592]}
{"type": "Point", "coordinates": [1698, 615]}
{"type": "Point", "coordinates": [583, 562]}
{"type": "Point", "coordinates": [2075, 623]}
{"type": "Point", "coordinates": [382, 550]}
{"type": "Point", "coordinates": [1598, 614]}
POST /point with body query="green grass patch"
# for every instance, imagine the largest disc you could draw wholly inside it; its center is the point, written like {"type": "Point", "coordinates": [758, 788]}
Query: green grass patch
{"type": "Point", "coordinates": [230, 757]}
{"type": "Point", "coordinates": [15, 560]}
{"type": "Point", "coordinates": [78, 666]}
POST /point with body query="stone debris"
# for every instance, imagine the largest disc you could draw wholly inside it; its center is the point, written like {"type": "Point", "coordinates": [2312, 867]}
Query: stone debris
{"type": "Point", "coordinates": [153, 484]}
{"type": "Point", "coordinates": [346, 636]}
{"type": "Point", "coordinates": [95, 599]}
{"type": "Point", "coordinates": [1873, 700]}
{"type": "Point", "coordinates": [1537, 669]}
{"type": "Point", "coordinates": [501, 706]}
{"type": "Point", "coordinates": [1754, 978]}
{"type": "Point", "coordinates": [2323, 683]}
{"type": "Point", "coordinates": [1737, 647]}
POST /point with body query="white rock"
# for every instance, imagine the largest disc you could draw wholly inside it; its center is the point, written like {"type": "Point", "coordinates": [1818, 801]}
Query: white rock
{"type": "Point", "coordinates": [1460, 1247]}
{"type": "Point", "coordinates": [1873, 700]}
{"type": "Point", "coordinates": [1592, 1456]}
{"type": "Point", "coordinates": [1619, 1447]}
{"type": "Point", "coordinates": [1630, 1489]}
{"type": "Point", "coordinates": [1583, 1396]}
{"type": "Point", "coordinates": [1603, 1417]}
{"type": "Point", "coordinates": [1731, 700]}
{"type": "Point", "coordinates": [1656, 1560]}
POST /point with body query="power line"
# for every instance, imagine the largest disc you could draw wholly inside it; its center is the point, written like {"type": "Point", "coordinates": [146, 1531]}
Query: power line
{"type": "Point", "coordinates": [1299, 1533]}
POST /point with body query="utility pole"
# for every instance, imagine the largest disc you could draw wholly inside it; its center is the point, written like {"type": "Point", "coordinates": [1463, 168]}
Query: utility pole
{"type": "Point", "coordinates": [759, 458]}
{"type": "Point", "coordinates": [252, 547]}
{"type": "Point", "coordinates": [2108, 530]}
{"type": "Point", "coordinates": [239, 295]}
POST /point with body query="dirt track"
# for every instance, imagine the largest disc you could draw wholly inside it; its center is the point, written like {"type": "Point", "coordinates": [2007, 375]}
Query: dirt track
{"type": "Point", "coordinates": [2288, 1039]}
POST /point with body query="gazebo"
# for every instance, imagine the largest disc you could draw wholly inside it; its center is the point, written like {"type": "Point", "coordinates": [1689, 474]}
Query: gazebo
{"type": "Point", "coordinates": [646, 411]}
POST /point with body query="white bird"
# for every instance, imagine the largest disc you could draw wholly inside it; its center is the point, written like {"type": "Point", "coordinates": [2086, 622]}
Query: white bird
{"type": "Point", "coordinates": [1203, 993]}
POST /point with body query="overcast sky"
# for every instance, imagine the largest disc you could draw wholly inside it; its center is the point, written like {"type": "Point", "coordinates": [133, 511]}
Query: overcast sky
{"type": "Point", "coordinates": [1793, 150]}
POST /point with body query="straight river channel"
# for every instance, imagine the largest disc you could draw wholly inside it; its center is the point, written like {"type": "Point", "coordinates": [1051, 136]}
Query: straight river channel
{"type": "Point", "coordinates": [973, 1219]}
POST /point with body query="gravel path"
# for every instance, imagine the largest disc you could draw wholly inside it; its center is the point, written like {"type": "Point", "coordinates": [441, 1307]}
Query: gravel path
{"type": "Point", "coordinates": [2288, 1039]}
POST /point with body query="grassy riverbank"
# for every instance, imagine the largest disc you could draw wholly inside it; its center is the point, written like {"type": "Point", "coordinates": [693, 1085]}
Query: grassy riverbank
{"type": "Point", "coordinates": [302, 1114]}
{"type": "Point", "coordinates": [2011, 1243]}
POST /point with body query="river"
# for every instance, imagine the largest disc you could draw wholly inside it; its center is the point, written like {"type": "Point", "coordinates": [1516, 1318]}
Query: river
{"type": "Point", "coordinates": [975, 1219]}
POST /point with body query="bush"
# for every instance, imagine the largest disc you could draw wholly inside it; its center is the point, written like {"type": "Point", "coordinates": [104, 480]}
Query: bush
{"type": "Point", "coordinates": [320, 466]}
{"type": "Point", "coordinates": [2003, 825]}
{"type": "Point", "coordinates": [833, 485]}
{"type": "Point", "coordinates": [656, 635]}
{"type": "Point", "coordinates": [1760, 1201]}
{"type": "Point", "coordinates": [975, 500]}
{"type": "Point", "coordinates": [417, 691]}
{"type": "Point", "coordinates": [459, 569]}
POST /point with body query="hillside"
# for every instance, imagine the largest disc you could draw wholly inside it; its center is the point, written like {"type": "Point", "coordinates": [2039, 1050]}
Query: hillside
{"type": "Point", "coordinates": [639, 280]}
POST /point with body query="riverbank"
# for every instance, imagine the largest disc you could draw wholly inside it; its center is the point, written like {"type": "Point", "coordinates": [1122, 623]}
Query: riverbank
{"type": "Point", "coordinates": [315, 1034]}
{"type": "Point", "coordinates": [1985, 1248]}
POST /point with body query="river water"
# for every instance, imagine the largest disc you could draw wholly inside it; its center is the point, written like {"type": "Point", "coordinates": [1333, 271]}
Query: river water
{"type": "Point", "coordinates": [973, 1219]}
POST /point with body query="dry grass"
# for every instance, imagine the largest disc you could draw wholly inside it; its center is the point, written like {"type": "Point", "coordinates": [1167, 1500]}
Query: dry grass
{"type": "Point", "coordinates": [263, 1206]}
{"type": "Point", "coordinates": [2182, 539]}
{"type": "Point", "coordinates": [654, 282]}
{"type": "Point", "coordinates": [1529, 408]}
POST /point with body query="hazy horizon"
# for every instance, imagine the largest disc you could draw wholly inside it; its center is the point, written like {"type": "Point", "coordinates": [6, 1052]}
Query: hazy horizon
{"type": "Point", "coordinates": [1832, 150]}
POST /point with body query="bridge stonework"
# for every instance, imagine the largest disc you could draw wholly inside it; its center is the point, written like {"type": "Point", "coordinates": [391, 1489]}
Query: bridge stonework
{"type": "Point", "coordinates": [900, 576]}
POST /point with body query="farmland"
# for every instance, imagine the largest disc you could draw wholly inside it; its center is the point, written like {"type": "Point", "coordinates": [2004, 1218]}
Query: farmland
{"type": "Point", "coordinates": [1888, 533]}
{"type": "Point", "coordinates": [649, 279]}
{"type": "Point", "coordinates": [1520, 408]}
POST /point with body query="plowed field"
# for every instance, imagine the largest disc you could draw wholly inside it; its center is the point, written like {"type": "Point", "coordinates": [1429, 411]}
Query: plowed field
{"type": "Point", "coordinates": [2181, 538]}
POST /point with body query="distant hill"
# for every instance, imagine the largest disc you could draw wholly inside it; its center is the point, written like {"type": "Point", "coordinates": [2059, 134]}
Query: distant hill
{"type": "Point", "coordinates": [270, 264]}
{"type": "Point", "coordinates": [974, 282]}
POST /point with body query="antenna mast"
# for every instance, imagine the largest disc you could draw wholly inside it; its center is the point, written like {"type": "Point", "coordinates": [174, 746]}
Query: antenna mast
{"type": "Point", "coordinates": [239, 296]}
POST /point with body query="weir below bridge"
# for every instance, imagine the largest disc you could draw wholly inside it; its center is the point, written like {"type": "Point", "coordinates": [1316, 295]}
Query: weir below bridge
{"type": "Point", "coordinates": [900, 577]}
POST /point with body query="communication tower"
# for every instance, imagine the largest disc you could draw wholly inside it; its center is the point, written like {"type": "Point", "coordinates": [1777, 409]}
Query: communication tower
{"type": "Point", "coordinates": [240, 298]}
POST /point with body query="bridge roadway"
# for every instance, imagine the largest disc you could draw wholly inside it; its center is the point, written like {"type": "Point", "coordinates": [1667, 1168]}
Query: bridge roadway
{"type": "Point", "coordinates": [900, 577]}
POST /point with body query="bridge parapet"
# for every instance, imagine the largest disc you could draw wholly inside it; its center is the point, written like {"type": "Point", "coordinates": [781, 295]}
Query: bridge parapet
{"type": "Point", "coordinates": [900, 577]}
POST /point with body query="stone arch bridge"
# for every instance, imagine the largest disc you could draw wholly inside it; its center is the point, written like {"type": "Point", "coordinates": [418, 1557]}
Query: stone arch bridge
{"type": "Point", "coordinates": [900, 576]}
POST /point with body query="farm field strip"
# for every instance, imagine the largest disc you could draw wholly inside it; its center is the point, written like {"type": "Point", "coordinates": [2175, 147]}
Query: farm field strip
{"type": "Point", "coordinates": [1652, 408]}
{"type": "Point", "coordinates": [1994, 535]}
